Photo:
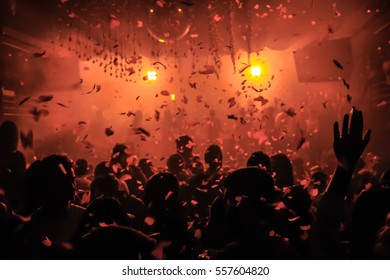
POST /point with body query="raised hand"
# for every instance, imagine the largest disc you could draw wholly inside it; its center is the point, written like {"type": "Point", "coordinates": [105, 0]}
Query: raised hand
{"type": "Point", "coordinates": [349, 147]}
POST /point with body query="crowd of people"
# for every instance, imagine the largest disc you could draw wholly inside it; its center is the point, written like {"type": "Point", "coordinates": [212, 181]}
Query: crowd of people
{"type": "Point", "coordinates": [124, 208]}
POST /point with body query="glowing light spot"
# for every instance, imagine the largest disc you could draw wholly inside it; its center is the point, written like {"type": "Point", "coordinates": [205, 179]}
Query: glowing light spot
{"type": "Point", "coordinates": [151, 10]}
{"type": "Point", "coordinates": [173, 97]}
{"type": "Point", "coordinates": [256, 71]}
{"type": "Point", "coordinates": [149, 221]}
{"type": "Point", "coordinates": [161, 40]}
{"type": "Point", "coordinates": [152, 75]}
{"type": "Point", "coordinates": [179, 10]}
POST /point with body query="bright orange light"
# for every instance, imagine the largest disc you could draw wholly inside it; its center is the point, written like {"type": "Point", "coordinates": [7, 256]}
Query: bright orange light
{"type": "Point", "coordinates": [152, 75]}
{"type": "Point", "coordinates": [173, 97]}
{"type": "Point", "coordinates": [161, 40]}
{"type": "Point", "coordinates": [179, 10]}
{"type": "Point", "coordinates": [151, 10]}
{"type": "Point", "coordinates": [255, 71]}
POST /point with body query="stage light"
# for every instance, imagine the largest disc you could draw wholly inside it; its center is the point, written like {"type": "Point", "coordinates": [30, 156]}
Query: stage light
{"type": "Point", "coordinates": [152, 75]}
{"type": "Point", "coordinates": [173, 97]}
{"type": "Point", "coordinates": [151, 10]}
{"type": "Point", "coordinates": [255, 71]}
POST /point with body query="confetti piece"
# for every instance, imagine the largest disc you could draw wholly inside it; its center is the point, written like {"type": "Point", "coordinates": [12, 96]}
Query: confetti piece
{"type": "Point", "coordinates": [261, 99]}
{"type": "Point", "coordinates": [158, 62]}
{"type": "Point", "coordinates": [24, 100]}
{"type": "Point", "coordinates": [382, 104]}
{"type": "Point", "coordinates": [63, 170]}
{"type": "Point", "coordinates": [37, 114]}
{"type": "Point", "coordinates": [346, 84]}
{"type": "Point", "coordinates": [108, 131]}
{"type": "Point", "coordinates": [232, 102]}
{"type": "Point", "coordinates": [232, 117]}
{"type": "Point", "coordinates": [209, 70]}
{"type": "Point", "coordinates": [164, 92]}
{"type": "Point", "coordinates": [338, 64]}
{"type": "Point", "coordinates": [243, 69]}
{"type": "Point", "coordinates": [46, 242]}
{"type": "Point", "coordinates": [257, 90]}
{"type": "Point", "coordinates": [157, 115]}
{"type": "Point", "coordinates": [26, 139]}
{"type": "Point", "coordinates": [307, 227]}
{"type": "Point", "coordinates": [93, 88]}
{"type": "Point", "coordinates": [330, 29]}
{"type": "Point", "coordinates": [168, 195]}
{"type": "Point", "coordinates": [192, 85]}
{"type": "Point", "coordinates": [291, 112]}
{"type": "Point", "coordinates": [62, 105]}
{"type": "Point", "coordinates": [300, 143]}
{"type": "Point", "coordinates": [39, 54]}
{"type": "Point", "coordinates": [143, 131]}
{"type": "Point", "coordinates": [149, 221]}
{"type": "Point", "coordinates": [45, 98]}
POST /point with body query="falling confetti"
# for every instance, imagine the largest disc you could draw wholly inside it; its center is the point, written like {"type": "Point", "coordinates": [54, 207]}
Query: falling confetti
{"type": "Point", "coordinates": [157, 115]}
{"type": "Point", "coordinates": [24, 100]}
{"type": "Point", "coordinates": [149, 221]}
{"type": "Point", "coordinates": [62, 105]}
{"type": "Point", "coordinates": [346, 84]}
{"type": "Point", "coordinates": [26, 139]}
{"type": "Point", "coordinates": [39, 54]}
{"type": "Point", "coordinates": [37, 114]}
{"type": "Point", "coordinates": [192, 85]}
{"type": "Point", "coordinates": [291, 112]}
{"type": "Point", "coordinates": [93, 88]}
{"type": "Point", "coordinates": [45, 98]}
{"type": "Point", "coordinates": [143, 131]}
{"type": "Point", "coordinates": [301, 141]}
{"type": "Point", "coordinates": [158, 62]}
{"type": "Point", "coordinates": [108, 131]}
{"type": "Point", "coordinates": [338, 64]}
{"type": "Point", "coordinates": [232, 102]}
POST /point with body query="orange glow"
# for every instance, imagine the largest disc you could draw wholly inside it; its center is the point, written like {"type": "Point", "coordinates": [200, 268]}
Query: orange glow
{"type": "Point", "coordinates": [151, 10]}
{"type": "Point", "coordinates": [255, 71]}
{"type": "Point", "coordinates": [173, 97]}
{"type": "Point", "coordinates": [152, 75]}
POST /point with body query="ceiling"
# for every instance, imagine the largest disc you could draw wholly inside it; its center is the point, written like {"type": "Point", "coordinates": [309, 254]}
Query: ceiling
{"type": "Point", "coordinates": [245, 24]}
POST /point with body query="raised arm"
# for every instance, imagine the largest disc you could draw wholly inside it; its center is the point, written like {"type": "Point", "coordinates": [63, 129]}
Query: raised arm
{"type": "Point", "coordinates": [328, 208]}
{"type": "Point", "coordinates": [348, 147]}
